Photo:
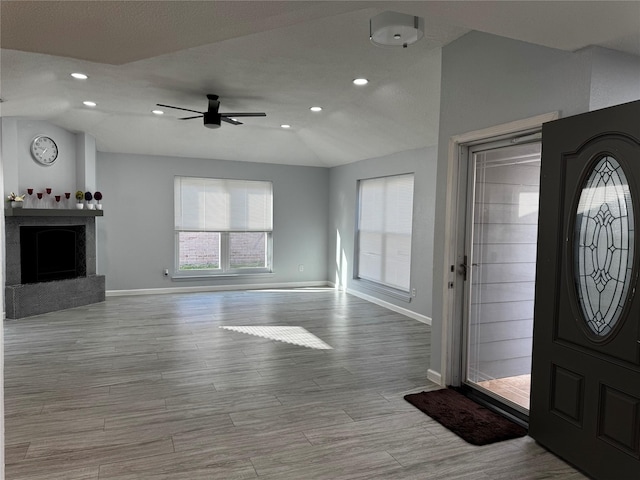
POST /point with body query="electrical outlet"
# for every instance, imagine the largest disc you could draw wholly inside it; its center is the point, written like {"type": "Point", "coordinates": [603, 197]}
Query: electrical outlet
{"type": "Point", "coordinates": [165, 272]}
{"type": "Point", "coordinates": [301, 268]}
{"type": "Point", "coordinates": [413, 292]}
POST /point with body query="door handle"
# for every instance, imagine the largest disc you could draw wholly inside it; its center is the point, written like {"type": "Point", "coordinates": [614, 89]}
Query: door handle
{"type": "Point", "coordinates": [463, 268]}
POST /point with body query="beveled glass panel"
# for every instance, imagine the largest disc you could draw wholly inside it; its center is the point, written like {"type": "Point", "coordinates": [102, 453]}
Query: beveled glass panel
{"type": "Point", "coordinates": [603, 246]}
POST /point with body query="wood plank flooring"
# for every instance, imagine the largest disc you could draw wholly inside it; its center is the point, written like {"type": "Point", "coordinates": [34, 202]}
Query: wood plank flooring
{"type": "Point", "coordinates": [516, 389]}
{"type": "Point", "coordinates": [149, 387]}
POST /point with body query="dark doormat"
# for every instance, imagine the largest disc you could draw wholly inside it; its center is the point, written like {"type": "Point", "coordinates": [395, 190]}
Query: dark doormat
{"type": "Point", "coordinates": [464, 417]}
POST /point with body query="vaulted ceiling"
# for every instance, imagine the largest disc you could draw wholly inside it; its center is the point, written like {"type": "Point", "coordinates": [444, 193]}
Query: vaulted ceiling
{"type": "Point", "coordinates": [278, 57]}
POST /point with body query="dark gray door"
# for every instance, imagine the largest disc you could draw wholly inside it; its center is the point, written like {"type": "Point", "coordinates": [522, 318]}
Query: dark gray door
{"type": "Point", "coordinates": [585, 391]}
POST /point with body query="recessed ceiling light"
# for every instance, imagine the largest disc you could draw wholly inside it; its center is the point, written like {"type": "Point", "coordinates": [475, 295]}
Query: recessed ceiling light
{"type": "Point", "coordinates": [157, 112]}
{"type": "Point", "coordinates": [360, 81]}
{"type": "Point", "coordinates": [79, 76]}
{"type": "Point", "coordinates": [285, 126]}
{"type": "Point", "coordinates": [89, 104]}
{"type": "Point", "coordinates": [316, 109]}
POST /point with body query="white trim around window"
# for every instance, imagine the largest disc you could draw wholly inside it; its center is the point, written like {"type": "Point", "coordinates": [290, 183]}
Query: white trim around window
{"type": "Point", "coordinates": [222, 227]}
{"type": "Point", "coordinates": [383, 233]}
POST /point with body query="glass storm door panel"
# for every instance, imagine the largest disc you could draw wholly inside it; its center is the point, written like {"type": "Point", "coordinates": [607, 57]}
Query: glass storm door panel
{"type": "Point", "coordinates": [500, 267]}
{"type": "Point", "coordinates": [585, 381]}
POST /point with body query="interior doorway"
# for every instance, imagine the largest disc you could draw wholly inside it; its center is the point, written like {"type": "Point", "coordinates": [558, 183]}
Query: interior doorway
{"type": "Point", "coordinates": [499, 267]}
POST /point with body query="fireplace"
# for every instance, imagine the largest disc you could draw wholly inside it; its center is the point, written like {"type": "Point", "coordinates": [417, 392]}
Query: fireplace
{"type": "Point", "coordinates": [49, 253]}
{"type": "Point", "coordinates": [50, 261]}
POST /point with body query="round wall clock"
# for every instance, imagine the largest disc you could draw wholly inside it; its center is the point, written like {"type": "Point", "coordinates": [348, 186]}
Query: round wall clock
{"type": "Point", "coordinates": [44, 150]}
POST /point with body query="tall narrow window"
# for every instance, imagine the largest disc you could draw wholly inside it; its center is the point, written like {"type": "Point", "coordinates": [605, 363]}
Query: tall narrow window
{"type": "Point", "coordinates": [222, 225]}
{"type": "Point", "coordinates": [385, 215]}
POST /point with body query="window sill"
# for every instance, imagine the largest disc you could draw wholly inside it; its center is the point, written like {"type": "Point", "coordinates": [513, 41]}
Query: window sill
{"type": "Point", "coordinates": [389, 291]}
{"type": "Point", "coordinates": [205, 276]}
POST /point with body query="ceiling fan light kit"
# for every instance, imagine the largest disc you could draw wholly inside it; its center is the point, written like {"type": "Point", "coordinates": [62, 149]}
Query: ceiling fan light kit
{"type": "Point", "coordinates": [393, 29]}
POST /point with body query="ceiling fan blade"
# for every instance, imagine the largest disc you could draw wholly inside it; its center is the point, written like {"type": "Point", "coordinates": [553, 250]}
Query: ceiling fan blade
{"type": "Point", "coordinates": [256, 114]}
{"type": "Point", "coordinates": [178, 108]}
{"type": "Point", "coordinates": [212, 118]}
{"type": "Point", "coordinates": [231, 121]}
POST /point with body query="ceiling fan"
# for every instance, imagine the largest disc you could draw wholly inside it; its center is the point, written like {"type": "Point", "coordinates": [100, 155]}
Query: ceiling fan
{"type": "Point", "coordinates": [212, 117]}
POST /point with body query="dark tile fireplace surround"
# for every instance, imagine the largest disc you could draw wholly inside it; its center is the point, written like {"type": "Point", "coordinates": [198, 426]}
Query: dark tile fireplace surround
{"type": "Point", "coordinates": [51, 261]}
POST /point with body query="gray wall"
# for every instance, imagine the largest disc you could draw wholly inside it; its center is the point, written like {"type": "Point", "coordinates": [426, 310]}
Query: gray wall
{"type": "Point", "coordinates": [136, 236]}
{"type": "Point", "coordinates": [488, 81]}
{"type": "Point", "coordinates": [615, 78]}
{"type": "Point", "coordinates": [343, 193]}
{"type": "Point", "coordinates": [20, 171]}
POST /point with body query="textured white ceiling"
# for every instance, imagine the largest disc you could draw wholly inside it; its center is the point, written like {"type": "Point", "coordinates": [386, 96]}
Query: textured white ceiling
{"type": "Point", "coordinates": [276, 57]}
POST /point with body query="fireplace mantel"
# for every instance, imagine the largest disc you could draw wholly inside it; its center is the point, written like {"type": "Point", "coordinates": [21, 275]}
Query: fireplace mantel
{"type": "Point", "coordinates": [51, 212]}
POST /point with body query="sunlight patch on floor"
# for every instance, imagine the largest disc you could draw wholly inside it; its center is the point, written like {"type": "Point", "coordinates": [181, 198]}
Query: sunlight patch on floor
{"type": "Point", "coordinates": [294, 335]}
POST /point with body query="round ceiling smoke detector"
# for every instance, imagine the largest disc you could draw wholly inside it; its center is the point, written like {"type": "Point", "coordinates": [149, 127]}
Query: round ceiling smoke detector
{"type": "Point", "coordinates": [393, 29]}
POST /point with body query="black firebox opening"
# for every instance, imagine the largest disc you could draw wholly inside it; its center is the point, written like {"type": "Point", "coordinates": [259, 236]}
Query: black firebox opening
{"type": "Point", "coordinates": [52, 253]}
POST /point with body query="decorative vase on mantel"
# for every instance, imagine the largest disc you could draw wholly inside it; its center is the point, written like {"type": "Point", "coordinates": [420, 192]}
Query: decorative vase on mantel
{"type": "Point", "coordinates": [79, 198]}
{"type": "Point", "coordinates": [88, 197]}
{"type": "Point", "coordinates": [98, 197]}
{"type": "Point", "coordinates": [16, 201]}
{"type": "Point", "coordinates": [29, 201]}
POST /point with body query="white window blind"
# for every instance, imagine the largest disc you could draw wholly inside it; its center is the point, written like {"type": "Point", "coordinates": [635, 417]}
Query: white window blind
{"type": "Point", "coordinates": [384, 230]}
{"type": "Point", "coordinates": [223, 205]}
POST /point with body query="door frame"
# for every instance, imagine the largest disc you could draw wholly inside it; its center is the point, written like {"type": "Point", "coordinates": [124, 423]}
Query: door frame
{"type": "Point", "coordinates": [455, 211]}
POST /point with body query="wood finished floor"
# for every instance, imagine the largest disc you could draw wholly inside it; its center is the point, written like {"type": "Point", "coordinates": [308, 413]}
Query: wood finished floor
{"type": "Point", "coordinates": [517, 389]}
{"type": "Point", "coordinates": [149, 387]}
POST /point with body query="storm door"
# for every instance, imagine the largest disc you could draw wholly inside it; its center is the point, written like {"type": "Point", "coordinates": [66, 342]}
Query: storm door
{"type": "Point", "coordinates": [585, 396]}
{"type": "Point", "coordinates": [499, 269]}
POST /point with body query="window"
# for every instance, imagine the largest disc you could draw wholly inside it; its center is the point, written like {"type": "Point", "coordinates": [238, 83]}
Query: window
{"type": "Point", "coordinates": [385, 214]}
{"type": "Point", "coordinates": [603, 246]}
{"type": "Point", "coordinates": [222, 226]}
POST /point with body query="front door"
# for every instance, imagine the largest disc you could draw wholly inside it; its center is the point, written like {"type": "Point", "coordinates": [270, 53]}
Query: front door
{"type": "Point", "coordinates": [585, 391]}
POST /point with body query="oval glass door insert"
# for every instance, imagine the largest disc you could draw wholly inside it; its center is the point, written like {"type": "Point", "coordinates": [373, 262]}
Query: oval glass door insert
{"type": "Point", "coordinates": [603, 246]}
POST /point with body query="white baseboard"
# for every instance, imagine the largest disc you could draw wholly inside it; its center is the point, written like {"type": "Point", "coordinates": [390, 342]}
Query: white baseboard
{"type": "Point", "coordinates": [212, 288]}
{"type": "Point", "coordinates": [435, 377]}
{"type": "Point", "coordinates": [403, 311]}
